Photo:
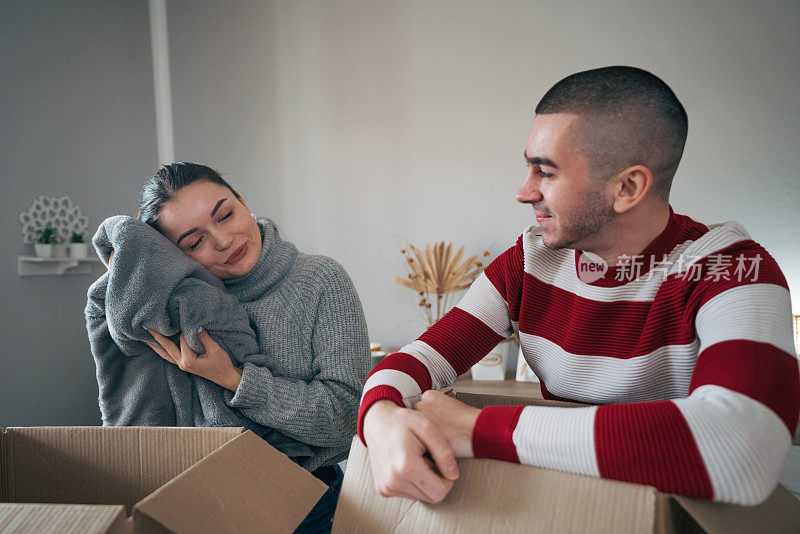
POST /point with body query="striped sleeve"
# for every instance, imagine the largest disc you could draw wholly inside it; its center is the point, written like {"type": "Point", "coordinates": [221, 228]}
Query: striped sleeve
{"type": "Point", "coordinates": [726, 441]}
{"type": "Point", "coordinates": [480, 320]}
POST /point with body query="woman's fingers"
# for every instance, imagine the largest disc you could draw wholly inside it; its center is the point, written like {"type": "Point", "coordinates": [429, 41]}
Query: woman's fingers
{"type": "Point", "coordinates": [183, 356]}
{"type": "Point", "coordinates": [173, 352]}
{"type": "Point", "coordinates": [161, 352]}
{"type": "Point", "coordinates": [208, 342]}
{"type": "Point", "coordinates": [164, 341]}
{"type": "Point", "coordinates": [187, 354]}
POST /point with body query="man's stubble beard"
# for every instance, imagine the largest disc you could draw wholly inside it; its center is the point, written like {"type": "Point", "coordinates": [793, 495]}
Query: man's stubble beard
{"type": "Point", "coordinates": [583, 221]}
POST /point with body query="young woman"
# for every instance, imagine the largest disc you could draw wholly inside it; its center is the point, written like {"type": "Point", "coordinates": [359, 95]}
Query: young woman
{"type": "Point", "coordinates": [304, 310]}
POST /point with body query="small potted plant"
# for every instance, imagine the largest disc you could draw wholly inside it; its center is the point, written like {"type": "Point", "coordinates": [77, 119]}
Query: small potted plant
{"type": "Point", "coordinates": [77, 248]}
{"type": "Point", "coordinates": [45, 241]}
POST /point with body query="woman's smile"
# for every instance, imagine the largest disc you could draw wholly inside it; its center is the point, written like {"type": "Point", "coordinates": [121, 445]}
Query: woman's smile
{"type": "Point", "coordinates": [237, 255]}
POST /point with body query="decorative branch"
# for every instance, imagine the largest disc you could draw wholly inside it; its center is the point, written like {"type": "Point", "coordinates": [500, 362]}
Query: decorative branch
{"type": "Point", "coordinates": [436, 274]}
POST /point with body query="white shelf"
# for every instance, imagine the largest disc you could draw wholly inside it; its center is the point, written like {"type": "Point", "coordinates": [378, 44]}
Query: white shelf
{"type": "Point", "coordinates": [36, 266]}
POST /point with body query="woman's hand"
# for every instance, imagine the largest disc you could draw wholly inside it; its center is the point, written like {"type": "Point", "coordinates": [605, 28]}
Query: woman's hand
{"type": "Point", "coordinates": [214, 365]}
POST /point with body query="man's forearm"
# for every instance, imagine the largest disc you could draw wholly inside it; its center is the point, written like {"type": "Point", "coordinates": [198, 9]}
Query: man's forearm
{"type": "Point", "coordinates": [717, 444]}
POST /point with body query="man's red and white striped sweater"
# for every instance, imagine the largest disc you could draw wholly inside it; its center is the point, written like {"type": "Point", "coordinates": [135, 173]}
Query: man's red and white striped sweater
{"type": "Point", "coordinates": [691, 362]}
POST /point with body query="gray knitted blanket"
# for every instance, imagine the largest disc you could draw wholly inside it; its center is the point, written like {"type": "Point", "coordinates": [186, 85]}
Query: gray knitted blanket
{"type": "Point", "coordinates": [153, 284]}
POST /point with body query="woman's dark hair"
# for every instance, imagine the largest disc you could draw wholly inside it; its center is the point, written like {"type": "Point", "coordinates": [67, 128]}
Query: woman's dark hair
{"type": "Point", "coordinates": [170, 179]}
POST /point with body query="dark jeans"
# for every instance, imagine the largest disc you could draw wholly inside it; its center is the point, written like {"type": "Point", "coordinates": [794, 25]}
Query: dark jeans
{"type": "Point", "coordinates": [320, 518]}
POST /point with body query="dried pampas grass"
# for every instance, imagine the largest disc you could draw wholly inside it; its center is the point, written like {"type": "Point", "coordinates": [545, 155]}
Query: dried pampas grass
{"type": "Point", "coordinates": [437, 274]}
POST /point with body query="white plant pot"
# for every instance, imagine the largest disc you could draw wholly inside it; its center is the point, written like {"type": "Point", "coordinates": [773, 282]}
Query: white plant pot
{"type": "Point", "coordinates": [42, 250]}
{"type": "Point", "coordinates": [493, 365]}
{"type": "Point", "coordinates": [79, 250]}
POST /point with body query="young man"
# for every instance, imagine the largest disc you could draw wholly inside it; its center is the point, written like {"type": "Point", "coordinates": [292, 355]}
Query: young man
{"type": "Point", "coordinates": [678, 332]}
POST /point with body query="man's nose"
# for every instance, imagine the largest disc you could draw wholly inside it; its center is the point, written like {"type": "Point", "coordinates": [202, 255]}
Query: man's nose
{"type": "Point", "coordinates": [529, 190]}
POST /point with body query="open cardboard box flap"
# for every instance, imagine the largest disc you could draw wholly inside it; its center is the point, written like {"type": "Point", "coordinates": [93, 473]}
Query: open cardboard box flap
{"type": "Point", "coordinates": [241, 487]}
{"type": "Point", "coordinates": [227, 479]}
{"type": "Point", "coordinates": [494, 496]}
{"type": "Point", "coordinates": [64, 518]}
{"type": "Point", "coordinates": [779, 513]}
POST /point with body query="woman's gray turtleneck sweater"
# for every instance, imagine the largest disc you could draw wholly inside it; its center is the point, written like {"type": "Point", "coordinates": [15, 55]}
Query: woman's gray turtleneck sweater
{"type": "Point", "coordinates": [310, 328]}
{"type": "Point", "coordinates": [304, 353]}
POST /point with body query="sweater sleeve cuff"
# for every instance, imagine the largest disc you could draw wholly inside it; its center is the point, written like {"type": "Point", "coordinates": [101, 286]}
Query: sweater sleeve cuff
{"type": "Point", "coordinates": [252, 390]}
{"type": "Point", "coordinates": [492, 436]}
{"type": "Point", "coordinates": [372, 396]}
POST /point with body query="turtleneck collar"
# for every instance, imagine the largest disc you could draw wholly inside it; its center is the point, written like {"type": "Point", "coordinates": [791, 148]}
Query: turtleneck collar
{"type": "Point", "coordinates": [277, 258]}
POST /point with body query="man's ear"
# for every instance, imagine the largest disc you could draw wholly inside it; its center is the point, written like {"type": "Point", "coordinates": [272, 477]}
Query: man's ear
{"type": "Point", "coordinates": [630, 187]}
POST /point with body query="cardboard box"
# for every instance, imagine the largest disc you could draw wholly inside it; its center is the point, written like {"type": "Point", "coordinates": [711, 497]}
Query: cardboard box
{"type": "Point", "coordinates": [494, 496]}
{"type": "Point", "coordinates": [149, 479]}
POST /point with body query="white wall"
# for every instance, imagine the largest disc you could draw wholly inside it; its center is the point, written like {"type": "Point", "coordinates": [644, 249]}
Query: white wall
{"type": "Point", "coordinates": [357, 125]}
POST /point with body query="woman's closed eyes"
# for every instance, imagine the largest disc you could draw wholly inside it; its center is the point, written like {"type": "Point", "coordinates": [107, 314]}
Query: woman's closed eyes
{"type": "Point", "coordinates": [225, 218]}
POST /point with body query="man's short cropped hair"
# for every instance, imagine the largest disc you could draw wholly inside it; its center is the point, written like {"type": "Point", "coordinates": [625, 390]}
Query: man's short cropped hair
{"type": "Point", "coordinates": [628, 116]}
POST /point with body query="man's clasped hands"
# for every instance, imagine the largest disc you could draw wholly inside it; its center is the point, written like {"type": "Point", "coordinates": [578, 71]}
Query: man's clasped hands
{"type": "Point", "coordinates": [413, 451]}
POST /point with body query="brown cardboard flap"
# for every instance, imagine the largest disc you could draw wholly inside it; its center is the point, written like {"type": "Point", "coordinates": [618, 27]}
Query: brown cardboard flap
{"type": "Point", "coordinates": [481, 400]}
{"type": "Point", "coordinates": [244, 486]}
{"type": "Point", "coordinates": [62, 519]}
{"type": "Point", "coordinates": [493, 496]}
{"type": "Point", "coordinates": [102, 465]}
{"type": "Point", "coordinates": [510, 388]}
{"type": "Point", "coordinates": [779, 513]}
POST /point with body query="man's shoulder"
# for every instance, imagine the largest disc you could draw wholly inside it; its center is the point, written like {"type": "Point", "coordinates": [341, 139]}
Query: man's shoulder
{"type": "Point", "coordinates": [724, 257]}
{"type": "Point", "coordinates": [728, 236]}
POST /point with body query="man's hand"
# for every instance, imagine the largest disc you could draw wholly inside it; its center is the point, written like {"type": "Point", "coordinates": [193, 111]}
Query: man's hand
{"type": "Point", "coordinates": [453, 419]}
{"type": "Point", "coordinates": [397, 438]}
